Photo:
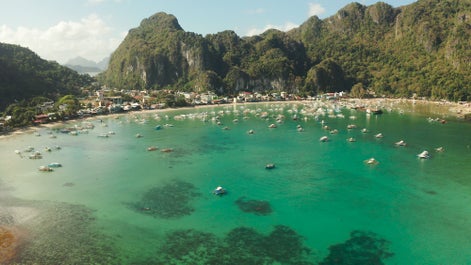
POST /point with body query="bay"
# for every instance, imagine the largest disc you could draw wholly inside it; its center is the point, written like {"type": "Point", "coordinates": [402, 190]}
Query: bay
{"type": "Point", "coordinates": [140, 202]}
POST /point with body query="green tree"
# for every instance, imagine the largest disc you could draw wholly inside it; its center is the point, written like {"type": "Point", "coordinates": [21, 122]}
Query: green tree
{"type": "Point", "coordinates": [68, 106]}
{"type": "Point", "coordinates": [358, 91]}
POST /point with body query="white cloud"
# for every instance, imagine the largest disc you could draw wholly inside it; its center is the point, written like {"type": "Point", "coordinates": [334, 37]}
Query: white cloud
{"type": "Point", "coordinates": [287, 26]}
{"type": "Point", "coordinates": [256, 11]}
{"type": "Point", "coordinates": [95, 2]}
{"type": "Point", "coordinates": [98, 2]}
{"type": "Point", "coordinates": [315, 9]}
{"type": "Point", "coordinates": [90, 38]}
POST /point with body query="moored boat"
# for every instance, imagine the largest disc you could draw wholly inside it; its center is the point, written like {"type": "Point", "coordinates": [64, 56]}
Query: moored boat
{"type": "Point", "coordinates": [439, 149]}
{"type": "Point", "coordinates": [152, 148]}
{"type": "Point", "coordinates": [166, 150]}
{"type": "Point", "coordinates": [55, 164]}
{"type": "Point", "coordinates": [324, 139]}
{"type": "Point", "coordinates": [36, 155]}
{"type": "Point", "coordinates": [45, 169]}
{"type": "Point", "coordinates": [375, 111]}
{"type": "Point", "coordinates": [219, 191]}
{"type": "Point", "coordinates": [400, 143]}
{"type": "Point", "coordinates": [371, 161]}
{"type": "Point", "coordinates": [424, 155]}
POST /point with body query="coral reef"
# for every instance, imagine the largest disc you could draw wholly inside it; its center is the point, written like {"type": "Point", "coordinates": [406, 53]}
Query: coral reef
{"type": "Point", "coordinates": [240, 246]}
{"type": "Point", "coordinates": [362, 248]}
{"type": "Point", "coordinates": [169, 201]}
{"type": "Point", "coordinates": [254, 206]}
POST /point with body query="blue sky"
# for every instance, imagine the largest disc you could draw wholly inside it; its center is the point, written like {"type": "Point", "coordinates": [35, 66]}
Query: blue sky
{"type": "Point", "coordinates": [63, 29]}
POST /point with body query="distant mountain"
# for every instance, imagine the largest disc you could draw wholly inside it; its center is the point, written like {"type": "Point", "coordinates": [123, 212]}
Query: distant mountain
{"type": "Point", "coordinates": [84, 66]}
{"type": "Point", "coordinates": [419, 49]}
{"type": "Point", "coordinates": [24, 75]}
{"type": "Point", "coordinates": [81, 61]}
{"type": "Point", "coordinates": [103, 64]}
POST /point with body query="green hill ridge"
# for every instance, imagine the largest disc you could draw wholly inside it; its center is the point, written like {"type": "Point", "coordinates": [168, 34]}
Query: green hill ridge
{"type": "Point", "coordinates": [421, 49]}
{"type": "Point", "coordinates": [24, 75]}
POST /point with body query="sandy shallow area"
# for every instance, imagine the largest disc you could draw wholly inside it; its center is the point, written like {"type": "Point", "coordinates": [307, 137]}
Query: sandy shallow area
{"type": "Point", "coordinates": [441, 109]}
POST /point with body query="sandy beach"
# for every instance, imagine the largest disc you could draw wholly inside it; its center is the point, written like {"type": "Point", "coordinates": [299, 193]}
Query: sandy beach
{"type": "Point", "coordinates": [440, 109]}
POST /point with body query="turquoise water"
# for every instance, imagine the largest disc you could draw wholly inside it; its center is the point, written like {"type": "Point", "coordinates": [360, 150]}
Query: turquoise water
{"type": "Point", "coordinates": [137, 201]}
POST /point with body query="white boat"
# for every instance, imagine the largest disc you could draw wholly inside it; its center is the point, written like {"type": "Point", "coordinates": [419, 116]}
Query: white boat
{"type": "Point", "coordinates": [36, 155]}
{"type": "Point", "coordinates": [219, 191]}
{"type": "Point", "coordinates": [351, 139]}
{"type": "Point", "coordinates": [152, 148]}
{"type": "Point", "coordinates": [324, 139]}
{"type": "Point", "coordinates": [439, 149]}
{"type": "Point", "coordinates": [400, 143]}
{"type": "Point", "coordinates": [166, 150]}
{"type": "Point", "coordinates": [371, 161]}
{"type": "Point", "coordinates": [379, 135]}
{"type": "Point", "coordinates": [45, 169]}
{"type": "Point", "coordinates": [424, 155]}
{"type": "Point", "coordinates": [270, 166]}
{"type": "Point", "coordinates": [272, 125]}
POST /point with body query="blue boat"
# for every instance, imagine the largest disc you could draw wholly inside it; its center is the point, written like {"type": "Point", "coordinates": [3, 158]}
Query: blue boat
{"type": "Point", "coordinates": [55, 164]}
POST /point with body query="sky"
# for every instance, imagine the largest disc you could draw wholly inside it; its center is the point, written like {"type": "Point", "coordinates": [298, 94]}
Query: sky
{"type": "Point", "coordinates": [59, 30]}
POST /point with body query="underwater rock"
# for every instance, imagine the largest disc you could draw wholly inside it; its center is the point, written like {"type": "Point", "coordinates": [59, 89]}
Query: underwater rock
{"type": "Point", "coordinates": [68, 184]}
{"type": "Point", "coordinates": [190, 245]}
{"type": "Point", "coordinates": [169, 201]}
{"type": "Point", "coordinates": [241, 245]}
{"type": "Point", "coordinates": [63, 233]}
{"type": "Point", "coordinates": [285, 245]}
{"type": "Point", "coordinates": [254, 206]}
{"type": "Point", "coordinates": [362, 248]}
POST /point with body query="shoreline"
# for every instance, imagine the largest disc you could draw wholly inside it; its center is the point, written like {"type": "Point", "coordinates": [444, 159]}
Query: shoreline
{"type": "Point", "coordinates": [443, 108]}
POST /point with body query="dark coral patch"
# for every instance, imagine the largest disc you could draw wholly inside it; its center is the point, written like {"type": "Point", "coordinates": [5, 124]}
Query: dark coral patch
{"type": "Point", "coordinates": [254, 206]}
{"type": "Point", "coordinates": [362, 248]}
{"type": "Point", "coordinates": [242, 245]}
{"type": "Point", "coordinates": [169, 201]}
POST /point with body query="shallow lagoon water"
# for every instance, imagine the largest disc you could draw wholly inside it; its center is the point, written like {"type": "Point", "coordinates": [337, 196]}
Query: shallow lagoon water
{"type": "Point", "coordinates": [321, 191]}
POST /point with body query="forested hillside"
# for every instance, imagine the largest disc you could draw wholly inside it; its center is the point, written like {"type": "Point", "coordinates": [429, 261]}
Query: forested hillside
{"type": "Point", "coordinates": [421, 49]}
{"type": "Point", "coordinates": [24, 75]}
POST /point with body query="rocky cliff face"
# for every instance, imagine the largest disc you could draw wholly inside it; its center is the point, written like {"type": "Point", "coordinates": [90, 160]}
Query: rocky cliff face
{"type": "Point", "coordinates": [385, 49]}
